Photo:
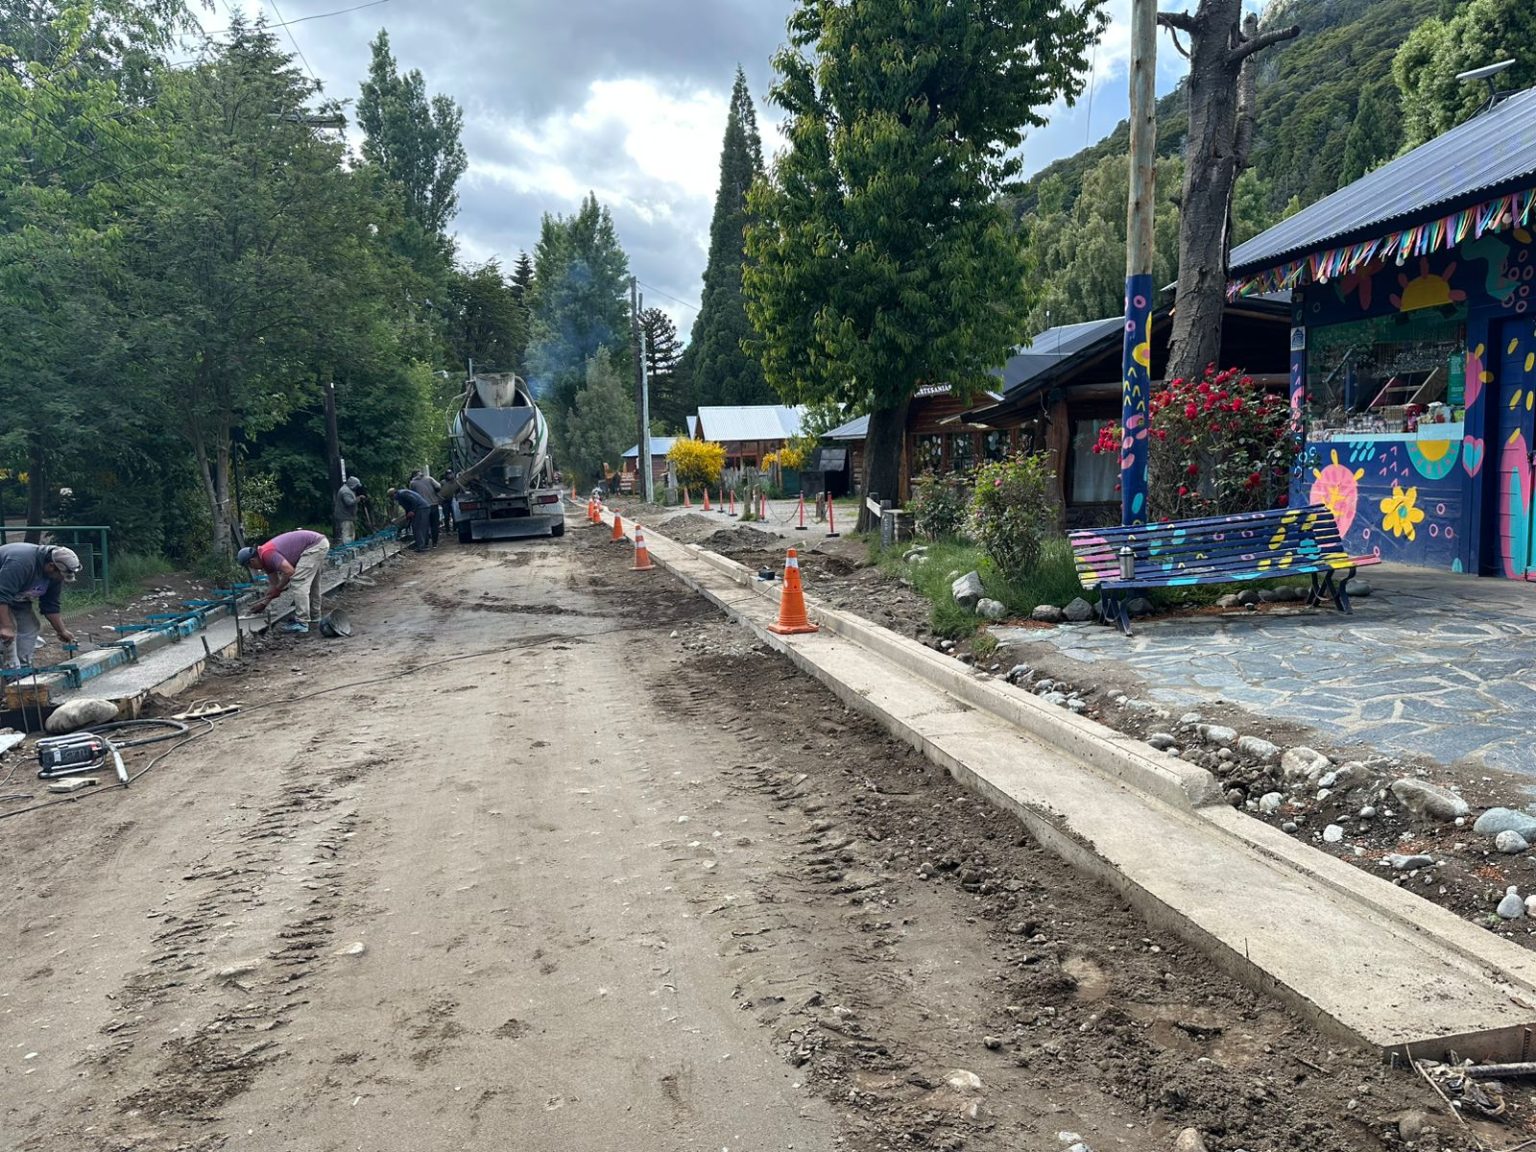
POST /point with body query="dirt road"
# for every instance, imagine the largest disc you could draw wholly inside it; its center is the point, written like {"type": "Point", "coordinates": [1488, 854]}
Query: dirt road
{"type": "Point", "coordinates": [532, 872]}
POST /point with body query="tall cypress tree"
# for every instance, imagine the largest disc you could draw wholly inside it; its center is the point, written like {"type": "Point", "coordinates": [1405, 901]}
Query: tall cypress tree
{"type": "Point", "coordinates": [714, 365]}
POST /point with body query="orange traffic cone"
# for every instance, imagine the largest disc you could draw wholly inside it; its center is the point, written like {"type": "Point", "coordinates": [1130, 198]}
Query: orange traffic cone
{"type": "Point", "coordinates": [792, 617]}
{"type": "Point", "coordinates": [687, 499]}
{"type": "Point", "coordinates": [618, 530]}
{"type": "Point", "coordinates": [707, 508]}
{"type": "Point", "coordinates": [642, 553]}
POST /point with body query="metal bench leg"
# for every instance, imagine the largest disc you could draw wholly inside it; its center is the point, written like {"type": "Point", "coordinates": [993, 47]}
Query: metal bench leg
{"type": "Point", "coordinates": [1341, 596]}
{"type": "Point", "coordinates": [1114, 609]}
{"type": "Point", "coordinates": [1319, 590]}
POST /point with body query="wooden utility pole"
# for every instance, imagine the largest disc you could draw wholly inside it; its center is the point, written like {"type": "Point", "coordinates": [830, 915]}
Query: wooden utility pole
{"type": "Point", "coordinates": [1136, 362]}
{"type": "Point", "coordinates": [642, 434]}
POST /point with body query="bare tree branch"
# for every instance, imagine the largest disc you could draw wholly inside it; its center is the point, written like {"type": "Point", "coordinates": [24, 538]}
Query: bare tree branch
{"type": "Point", "coordinates": [1248, 47]}
{"type": "Point", "coordinates": [1180, 20]}
{"type": "Point", "coordinates": [1173, 34]}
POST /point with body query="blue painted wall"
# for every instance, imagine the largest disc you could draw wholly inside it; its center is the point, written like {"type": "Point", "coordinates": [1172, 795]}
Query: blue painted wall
{"type": "Point", "coordinates": [1464, 504]}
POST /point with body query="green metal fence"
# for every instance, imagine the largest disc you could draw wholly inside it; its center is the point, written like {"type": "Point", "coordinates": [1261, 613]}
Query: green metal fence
{"type": "Point", "coordinates": [88, 541]}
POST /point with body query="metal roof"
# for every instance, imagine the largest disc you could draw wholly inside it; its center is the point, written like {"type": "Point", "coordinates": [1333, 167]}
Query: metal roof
{"type": "Point", "coordinates": [748, 422]}
{"type": "Point", "coordinates": [1490, 154]}
{"type": "Point", "coordinates": [855, 429]}
{"type": "Point", "coordinates": [660, 446]}
{"type": "Point", "coordinates": [1055, 345]}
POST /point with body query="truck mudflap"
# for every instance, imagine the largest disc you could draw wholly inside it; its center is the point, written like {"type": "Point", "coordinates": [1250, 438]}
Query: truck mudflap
{"type": "Point", "coordinates": [512, 528]}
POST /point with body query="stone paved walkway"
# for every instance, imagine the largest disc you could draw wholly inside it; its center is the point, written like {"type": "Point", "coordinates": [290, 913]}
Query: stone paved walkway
{"type": "Point", "coordinates": [1431, 663]}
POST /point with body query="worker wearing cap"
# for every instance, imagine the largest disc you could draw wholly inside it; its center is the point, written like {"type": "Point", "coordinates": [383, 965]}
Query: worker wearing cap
{"type": "Point", "coordinates": [345, 508]}
{"type": "Point", "coordinates": [31, 572]}
{"type": "Point", "coordinates": [293, 560]}
{"type": "Point", "coordinates": [417, 513]}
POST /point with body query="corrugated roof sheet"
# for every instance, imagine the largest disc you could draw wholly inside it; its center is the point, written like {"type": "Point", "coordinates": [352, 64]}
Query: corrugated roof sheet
{"type": "Point", "coordinates": [1490, 154]}
{"type": "Point", "coordinates": [1053, 346]}
{"type": "Point", "coordinates": [748, 422]}
{"type": "Point", "coordinates": [660, 446]}
{"type": "Point", "coordinates": [855, 429]}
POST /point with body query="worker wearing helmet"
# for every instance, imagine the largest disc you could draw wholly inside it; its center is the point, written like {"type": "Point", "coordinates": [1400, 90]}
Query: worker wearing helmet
{"type": "Point", "coordinates": [293, 560]}
{"type": "Point", "coordinates": [31, 572]}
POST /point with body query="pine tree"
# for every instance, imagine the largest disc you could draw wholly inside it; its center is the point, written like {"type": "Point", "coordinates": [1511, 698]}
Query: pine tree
{"type": "Point", "coordinates": [601, 420]}
{"type": "Point", "coordinates": [522, 278]}
{"type": "Point", "coordinates": [579, 302]}
{"type": "Point", "coordinates": [716, 368]}
{"type": "Point", "coordinates": [669, 405]}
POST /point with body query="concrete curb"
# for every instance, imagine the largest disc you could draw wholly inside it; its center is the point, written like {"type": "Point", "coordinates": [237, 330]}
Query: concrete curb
{"type": "Point", "coordinates": [1361, 958]}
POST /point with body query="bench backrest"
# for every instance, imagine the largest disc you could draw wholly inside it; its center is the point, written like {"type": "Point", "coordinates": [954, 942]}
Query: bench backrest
{"type": "Point", "coordinates": [1245, 545]}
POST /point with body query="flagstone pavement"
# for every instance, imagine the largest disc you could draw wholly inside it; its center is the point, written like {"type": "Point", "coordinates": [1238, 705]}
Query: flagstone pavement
{"type": "Point", "coordinates": [1431, 663]}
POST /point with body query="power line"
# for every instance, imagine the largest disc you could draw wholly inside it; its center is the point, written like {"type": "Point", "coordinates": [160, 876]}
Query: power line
{"type": "Point", "coordinates": [316, 16]}
{"type": "Point", "coordinates": [668, 295]}
{"type": "Point", "coordinates": [284, 26]}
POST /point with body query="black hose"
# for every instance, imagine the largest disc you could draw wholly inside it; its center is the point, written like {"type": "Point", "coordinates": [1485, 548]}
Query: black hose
{"type": "Point", "coordinates": [176, 729]}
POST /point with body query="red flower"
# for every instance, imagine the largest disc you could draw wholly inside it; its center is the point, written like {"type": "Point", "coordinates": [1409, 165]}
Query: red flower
{"type": "Point", "coordinates": [1192, 470]}
{"type": "Point", "coordinates": [1183, 491]}
{"type": "Point", "coordinates": [1189, 411]}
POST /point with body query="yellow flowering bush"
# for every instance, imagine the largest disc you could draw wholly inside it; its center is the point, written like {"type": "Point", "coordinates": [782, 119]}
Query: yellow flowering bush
{"type": "Point", "coordinates": [696, 463]}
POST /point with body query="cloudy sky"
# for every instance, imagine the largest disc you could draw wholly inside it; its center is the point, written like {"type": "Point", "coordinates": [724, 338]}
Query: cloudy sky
{"type": "Point", "coordinates": [626, 98]}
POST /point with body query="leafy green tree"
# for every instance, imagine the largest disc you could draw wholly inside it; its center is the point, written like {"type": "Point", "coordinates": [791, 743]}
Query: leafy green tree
{"type": "Point", "coordinates": [1375, 135]}
{"type": "Point", "coordinates": [415, 141]}
{"type": "Point", "coordinates": [879, 255]}
{"type": "Point", "coordinates": [487, 321]}
{"type": "Point", "coordinates": [241, 254]}
{"type": "Point", "coordinates": [1077, 255]}
{"type": "Point", "coordinates": [669, 403]}
{"type": "Point", "coordinates": [718, 369]}
{"type": "Point", "coordinates": [1480, 32]}
{"type": "Point", "coordinates": [601, 422]}
{"type": "Point", "coordinates": [579, 303]}
{"type": "Point", "coordinates": [522, 278]}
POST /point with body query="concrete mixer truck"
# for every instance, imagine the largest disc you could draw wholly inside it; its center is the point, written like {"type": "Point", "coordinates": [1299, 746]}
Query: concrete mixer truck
{"type": "Point", "coordinates": [499, 444]}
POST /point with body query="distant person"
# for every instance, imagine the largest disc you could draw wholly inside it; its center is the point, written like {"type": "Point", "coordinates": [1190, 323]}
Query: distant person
{"type": "Point", "coordinates": [293, 560]}
{"type": "Point", "coordinates": [418, 514]}
{"type": "Point", "coordinates": [345, 508]}
{"type": "Point", "coordinates": [432, 492]}
{"type": "Point", "coordinates": [31, 572]}
{"type": "Point", "coordinates": [451, 504]}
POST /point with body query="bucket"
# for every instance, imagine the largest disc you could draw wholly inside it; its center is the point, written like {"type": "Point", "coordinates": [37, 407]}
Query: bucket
{"type": "Point", "coordinates": [335, 623]}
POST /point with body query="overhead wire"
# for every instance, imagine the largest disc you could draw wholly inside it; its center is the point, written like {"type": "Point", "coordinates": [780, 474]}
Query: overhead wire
{"type": "Point", "coordinates": [667, 295]}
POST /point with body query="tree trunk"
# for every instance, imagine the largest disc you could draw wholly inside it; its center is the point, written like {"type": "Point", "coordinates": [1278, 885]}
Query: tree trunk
{"type": "Point", "coordinates": [219, 527]}
{"type": "Point", "coordinates": [37, 485]}
{"type": "Point", "coordinates": [882, 458]}
{"type": "Point", "coordinates": [1215, 154]}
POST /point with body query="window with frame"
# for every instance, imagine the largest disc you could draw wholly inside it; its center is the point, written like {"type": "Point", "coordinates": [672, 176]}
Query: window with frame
{"type": "Point", "coordinates": [1092, 476]}
{"type": "Point", "coordinates": [1388, 374]}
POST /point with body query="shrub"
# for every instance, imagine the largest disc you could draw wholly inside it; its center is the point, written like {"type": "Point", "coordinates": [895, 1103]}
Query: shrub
{"type": "Point", "coordinates": [696, 463]}
{"type": "Point", "coordinates": [1216, 446]}
{"type": "Point", "coordinates": [938, 506]}
{"type": "Point", "coordinates": [1013, 511]}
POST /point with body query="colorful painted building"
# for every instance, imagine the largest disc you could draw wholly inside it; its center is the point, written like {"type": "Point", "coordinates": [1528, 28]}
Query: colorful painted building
{"type": "Point", "coordinates": [1413, 347]}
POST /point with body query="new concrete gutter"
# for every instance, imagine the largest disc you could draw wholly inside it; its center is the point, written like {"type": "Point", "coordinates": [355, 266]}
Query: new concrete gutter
{"type": "Point", "coordinates": [166, 664]}
{"type": "Point", "coordinates": [1360, 957]}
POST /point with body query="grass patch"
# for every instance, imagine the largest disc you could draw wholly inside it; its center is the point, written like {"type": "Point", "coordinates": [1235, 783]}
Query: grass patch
{"type": "Point", "coordinates": [130, 572]}
{"type": "Point", "coordinates": [1054, 580]}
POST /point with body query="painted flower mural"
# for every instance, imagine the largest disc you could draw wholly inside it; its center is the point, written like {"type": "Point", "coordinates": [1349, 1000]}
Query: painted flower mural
{"type": "Point", "coordinates": [1339, 488]}
{"type": "Point", "coordinates": [1400, 513]}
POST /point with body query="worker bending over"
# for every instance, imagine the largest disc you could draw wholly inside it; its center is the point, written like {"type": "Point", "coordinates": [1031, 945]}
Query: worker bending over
{"type": "Point", "coordinates": [293, 560]}
{"type": "Point", "coordinates": [31, 572]}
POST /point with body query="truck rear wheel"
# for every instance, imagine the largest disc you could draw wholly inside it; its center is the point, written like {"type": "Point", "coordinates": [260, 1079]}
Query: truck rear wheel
{"type": "Point", "coordinates": [558, 530]}
{"type": "Point", "coordinates": [466, 532]}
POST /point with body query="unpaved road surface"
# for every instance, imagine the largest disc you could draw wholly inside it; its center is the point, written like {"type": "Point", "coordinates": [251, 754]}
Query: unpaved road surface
{"type": "Point", "coordinates": [550, 857]}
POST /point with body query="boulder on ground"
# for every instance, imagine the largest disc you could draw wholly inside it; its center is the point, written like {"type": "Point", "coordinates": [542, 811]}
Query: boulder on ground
{"type": "Point", "coordinates": [967, 590]}
{"type": "Point", "coordinates": [1139, 606]}
{"type": "Point", "coordinates": [1303, 763]}
{"type": "Point", "coordinates": [1078, 611]}
{"type": "Point", "coordinates": [1429, 801]}
{"type": "Point", "coordinates": [1256, 748]}
{"type": "Point", "coordinates": [1497, 820]}
{"type": "Point", "coordinates": [1047, 614]}
{"type": "Point", "coordinates": [991, 609]}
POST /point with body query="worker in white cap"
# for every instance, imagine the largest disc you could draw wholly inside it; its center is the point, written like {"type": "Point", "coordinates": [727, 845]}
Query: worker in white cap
{"type": "Point", "coordinates": [32, 572]}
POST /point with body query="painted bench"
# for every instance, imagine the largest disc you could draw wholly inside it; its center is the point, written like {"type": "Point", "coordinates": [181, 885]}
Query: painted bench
{"type": "Point", "coordinates": [1217, 550]}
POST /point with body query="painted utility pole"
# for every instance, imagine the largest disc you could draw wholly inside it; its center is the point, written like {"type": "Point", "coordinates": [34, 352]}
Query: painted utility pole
{"type": "Point", "coordinates": [643, 456]}
{"type": "Point", "coordinates": [333, 446]}
{"type": "Point", "coordinates": [1136, 362]}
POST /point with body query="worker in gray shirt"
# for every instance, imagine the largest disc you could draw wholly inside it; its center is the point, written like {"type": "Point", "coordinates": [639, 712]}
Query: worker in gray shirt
{"type": "Point", "coordinates": [345, 509]}
{"type": "Point", "coordinates": [31, 572]}
{"type": "Point", "coordinates": [431, 491]}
